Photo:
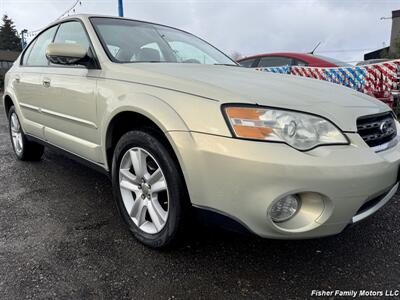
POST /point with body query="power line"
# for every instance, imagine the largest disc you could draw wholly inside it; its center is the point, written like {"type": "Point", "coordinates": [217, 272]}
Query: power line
{"type": "Point", "coordinates": [33, 33]}
{"type": "Point", "coordinates": [70, 9]}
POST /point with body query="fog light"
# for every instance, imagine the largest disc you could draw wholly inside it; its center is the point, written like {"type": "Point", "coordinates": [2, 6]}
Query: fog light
{"type": "Point", "coordinates": [285, 208]}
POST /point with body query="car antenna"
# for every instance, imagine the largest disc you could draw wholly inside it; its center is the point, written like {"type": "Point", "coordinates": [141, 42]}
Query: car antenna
{"type": "Point", "coordinates": [312, 52]}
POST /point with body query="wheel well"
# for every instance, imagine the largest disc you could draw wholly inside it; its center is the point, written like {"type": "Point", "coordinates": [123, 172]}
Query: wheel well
{"type": "Point", "coordinates": [127, 121]}
{"type": "Point", "coordinates": [8, 103]}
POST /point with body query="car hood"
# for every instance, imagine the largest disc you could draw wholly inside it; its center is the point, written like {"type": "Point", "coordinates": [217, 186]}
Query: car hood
{"type": "Point", "coordinates": [231, 84]}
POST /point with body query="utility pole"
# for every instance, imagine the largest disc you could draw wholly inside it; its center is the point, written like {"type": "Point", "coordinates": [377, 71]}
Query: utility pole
{"type": "Point", "coordinates": [120, 8]}
{"type": "Point", "coordinates": [23, 40]}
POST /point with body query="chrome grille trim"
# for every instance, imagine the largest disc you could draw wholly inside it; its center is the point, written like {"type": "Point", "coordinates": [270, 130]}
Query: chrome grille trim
{"type": "Point", "coordinates": [378, 131]}
{"type": "Point", "coordinates": [361, 215]}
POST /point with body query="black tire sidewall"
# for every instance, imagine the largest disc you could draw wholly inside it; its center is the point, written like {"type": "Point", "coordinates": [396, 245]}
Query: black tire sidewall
{"type": "Point", "coordinates": [151, 144]}
{"type": "Point", "coordinates": [31, 151]}
{"type": "Point", "coordinates": [24, 141]}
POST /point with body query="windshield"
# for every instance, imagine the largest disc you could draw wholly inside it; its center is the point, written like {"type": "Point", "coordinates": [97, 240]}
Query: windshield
{"type": "Point", "coordinates": [128, 41]}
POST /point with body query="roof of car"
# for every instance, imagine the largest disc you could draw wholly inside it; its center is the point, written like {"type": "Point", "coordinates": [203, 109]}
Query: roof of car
{"type": "Point", "coordinates": [88, 16]}
{"type": "Point", "coordinates": [290, 54]}
{"type": "Point", "coordinates": [309, 58]}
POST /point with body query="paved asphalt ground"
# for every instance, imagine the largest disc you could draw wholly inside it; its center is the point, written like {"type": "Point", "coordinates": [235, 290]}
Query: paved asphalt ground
{"type": "Point", "coordinates": [61, 237]}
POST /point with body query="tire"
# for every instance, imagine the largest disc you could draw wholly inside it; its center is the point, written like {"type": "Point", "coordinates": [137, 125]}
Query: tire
{"type": "Point", "coordinates": [24, 150]}
{"type": "Point", "coordinates": [154, 215]}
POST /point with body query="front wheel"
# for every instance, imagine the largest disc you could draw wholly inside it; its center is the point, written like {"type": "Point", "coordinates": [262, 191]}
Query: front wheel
{"type": "Point", "coordinates": [23, 149]}
{"type": "Point", "coordinates": [148, 188]}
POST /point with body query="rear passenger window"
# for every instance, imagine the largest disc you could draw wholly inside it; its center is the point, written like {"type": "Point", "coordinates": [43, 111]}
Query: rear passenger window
{"type": "Point", "coordinates": [37, 55]}
{"type": "Point", "coordinates": [72, 33]}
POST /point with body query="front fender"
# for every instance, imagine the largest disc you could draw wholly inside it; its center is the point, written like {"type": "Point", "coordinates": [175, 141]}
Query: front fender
{"type": "Point", "coordinates": [150, 106]}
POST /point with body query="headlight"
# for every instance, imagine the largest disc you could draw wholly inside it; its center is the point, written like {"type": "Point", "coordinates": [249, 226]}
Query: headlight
{"type": "Point", "coordinates": [299, 130]}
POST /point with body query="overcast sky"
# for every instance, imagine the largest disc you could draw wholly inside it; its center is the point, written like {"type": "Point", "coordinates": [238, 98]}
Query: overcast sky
{"type": "Point", "coordinates": [346, 28]}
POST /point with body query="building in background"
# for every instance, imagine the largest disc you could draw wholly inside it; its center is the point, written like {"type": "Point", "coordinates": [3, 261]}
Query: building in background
{"type": "Point", "coordinates": [7, 59]}
{"type": "Point", "coordinates": [394, 40]}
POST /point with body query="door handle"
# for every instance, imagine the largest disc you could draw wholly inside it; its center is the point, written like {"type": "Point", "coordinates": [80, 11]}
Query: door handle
{"type": "Point", "coordinates": [46, 83]}
{"type": "Point", "coordinates": [17, 79]}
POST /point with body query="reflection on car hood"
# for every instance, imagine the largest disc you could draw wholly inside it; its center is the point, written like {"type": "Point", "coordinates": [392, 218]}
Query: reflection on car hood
{"type": "Point", "coordinates": [230, 84]}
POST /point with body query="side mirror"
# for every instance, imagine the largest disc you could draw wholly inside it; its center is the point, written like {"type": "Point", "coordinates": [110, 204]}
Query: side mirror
{"type": "Point", "coordinates": [67, 54]}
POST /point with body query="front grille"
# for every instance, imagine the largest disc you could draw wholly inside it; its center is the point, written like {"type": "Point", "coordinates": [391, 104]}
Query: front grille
{"type": "Point", "coordinates": [377, 129]}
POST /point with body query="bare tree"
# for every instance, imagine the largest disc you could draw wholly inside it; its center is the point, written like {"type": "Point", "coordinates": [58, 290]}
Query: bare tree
{"type": "Point", "coordinates": [235, 55]}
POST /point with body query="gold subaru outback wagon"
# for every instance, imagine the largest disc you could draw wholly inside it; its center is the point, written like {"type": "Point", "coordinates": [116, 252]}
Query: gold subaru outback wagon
{"type": "Point", "coordinates": [183, 130]}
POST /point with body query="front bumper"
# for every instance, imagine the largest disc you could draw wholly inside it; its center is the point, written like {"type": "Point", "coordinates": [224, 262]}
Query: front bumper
{"type": "Point", "coordinates": [241, 179]}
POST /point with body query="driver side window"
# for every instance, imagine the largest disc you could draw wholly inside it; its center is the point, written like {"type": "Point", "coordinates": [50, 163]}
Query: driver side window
{"type": "Point", "coordinates": [72, 33]}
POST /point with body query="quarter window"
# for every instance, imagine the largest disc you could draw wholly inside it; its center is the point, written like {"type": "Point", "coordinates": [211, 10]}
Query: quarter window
{"type": "Point", "coordinates": [37, 55]}
{"type": "Point", "coordinates": [26, 54]}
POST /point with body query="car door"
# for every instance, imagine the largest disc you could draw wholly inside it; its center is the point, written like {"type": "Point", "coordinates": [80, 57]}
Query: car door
{"type": "Point", "coordinates": [28, 84]}
{"type": "Point", "coordinates": [70, 109]}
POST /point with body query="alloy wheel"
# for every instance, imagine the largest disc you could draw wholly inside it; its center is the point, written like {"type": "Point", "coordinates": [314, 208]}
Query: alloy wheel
{"type": "Point", "coordinates": [16, 134]}
{"type": "Point", "coordinates": [144, 190]}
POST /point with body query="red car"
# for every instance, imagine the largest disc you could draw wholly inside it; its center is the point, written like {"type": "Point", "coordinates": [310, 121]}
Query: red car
{"type": "Point", "coordinates": [290, 59]}
{"type": "Point", "coordinates": [305, 60]}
